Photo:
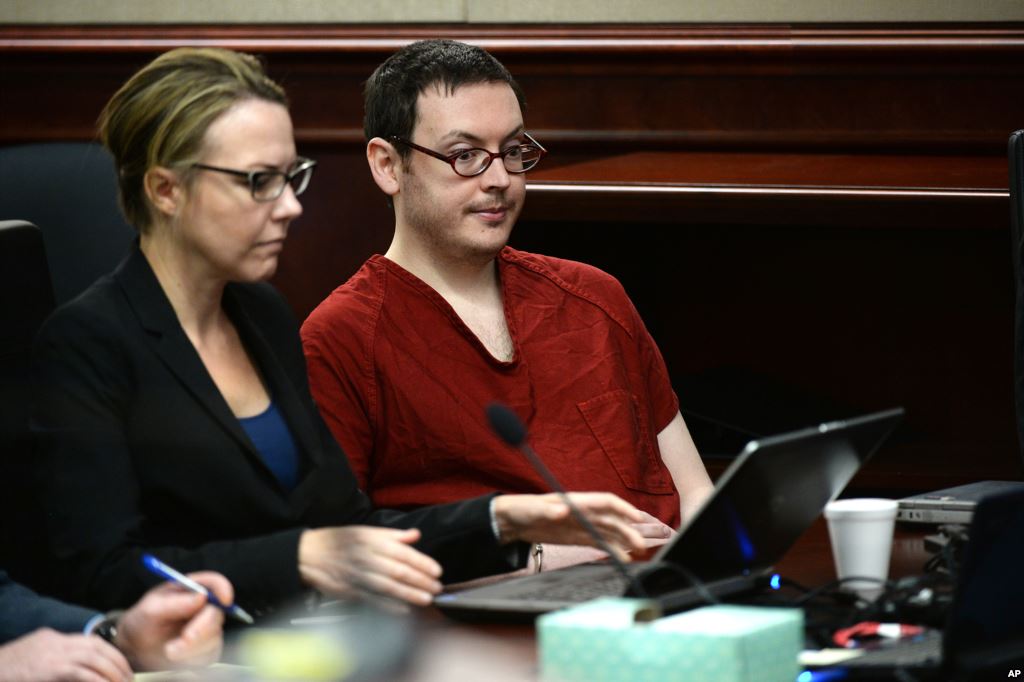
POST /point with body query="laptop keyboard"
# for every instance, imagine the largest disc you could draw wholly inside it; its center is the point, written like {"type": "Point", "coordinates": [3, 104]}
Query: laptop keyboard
{"type": "Point", "coordinates": [585, 589]}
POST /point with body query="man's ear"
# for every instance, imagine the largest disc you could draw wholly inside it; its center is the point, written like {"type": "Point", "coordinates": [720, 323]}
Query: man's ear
{"type": "Point", "coordinates": [164, 190]}
{"type": "Point", "coordinates": [385, 165]}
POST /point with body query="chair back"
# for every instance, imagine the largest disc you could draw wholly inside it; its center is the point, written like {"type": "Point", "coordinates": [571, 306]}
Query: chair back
{"type": "Point", "coordinates": [1016, 154]}
{"type": "Point", "coordinates": [26, 299]}
{"type": "Point", "coordinates": [68, 189]}
{"type": "Point", "coordinates": [26, 295]}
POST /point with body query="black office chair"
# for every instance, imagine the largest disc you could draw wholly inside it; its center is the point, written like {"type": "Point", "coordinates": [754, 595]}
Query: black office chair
{"type": "Point", "coordinates": [26, 298]}
{"type": "Point", "coordinates": [1016, 152]}
{"type": "Point", "coordinates": [68, 189]}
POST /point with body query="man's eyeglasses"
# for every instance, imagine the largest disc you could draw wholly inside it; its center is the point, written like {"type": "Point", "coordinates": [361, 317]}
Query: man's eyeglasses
{"type": "Point", "coordinates": [474, 161]}
{"type": "Point", "coordinates": [268, 185]}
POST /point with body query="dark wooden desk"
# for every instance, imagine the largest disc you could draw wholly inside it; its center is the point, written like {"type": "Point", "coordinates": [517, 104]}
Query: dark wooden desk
{"type": "Point", "coordinates": [507, 653]}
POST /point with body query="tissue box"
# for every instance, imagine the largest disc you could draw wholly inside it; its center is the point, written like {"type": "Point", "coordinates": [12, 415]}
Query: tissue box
{"type": "Point", "coordinates": [622, 640]}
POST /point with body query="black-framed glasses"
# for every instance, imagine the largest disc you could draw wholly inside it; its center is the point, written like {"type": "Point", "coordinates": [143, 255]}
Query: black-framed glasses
{"type": "Point", "coordinates": [268, 185]}
{"type": "Point", "coordinates": [474, 161]}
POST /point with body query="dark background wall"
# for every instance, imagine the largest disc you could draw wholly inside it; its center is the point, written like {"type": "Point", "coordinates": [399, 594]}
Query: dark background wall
{"type": "Point", "coordinates": [813, 220]}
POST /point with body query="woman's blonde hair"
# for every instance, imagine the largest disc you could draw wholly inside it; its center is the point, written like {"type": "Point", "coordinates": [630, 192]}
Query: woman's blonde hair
{"type": "Point", "coordinates": [160, 116]}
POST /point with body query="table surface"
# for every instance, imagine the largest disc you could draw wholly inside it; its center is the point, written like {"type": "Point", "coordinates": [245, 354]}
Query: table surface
{"type": "Point", "coordinates": [449, 650]}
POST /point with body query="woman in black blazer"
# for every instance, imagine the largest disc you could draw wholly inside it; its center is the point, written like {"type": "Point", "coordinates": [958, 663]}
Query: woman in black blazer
{"type": "Point", "coordinates": [173, 414]}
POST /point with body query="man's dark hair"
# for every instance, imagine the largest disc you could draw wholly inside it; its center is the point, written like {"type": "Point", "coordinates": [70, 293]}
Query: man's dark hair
{"type": "Point", "coordinates": [391, 92]}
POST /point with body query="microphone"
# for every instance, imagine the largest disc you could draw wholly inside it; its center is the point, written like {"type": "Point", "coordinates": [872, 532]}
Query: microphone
{"type": "Point", "coordinates": [510, 429]}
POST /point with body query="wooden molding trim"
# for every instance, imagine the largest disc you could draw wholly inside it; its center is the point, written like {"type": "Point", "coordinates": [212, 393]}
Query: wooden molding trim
{"type": "Point", "coordinates": [789, 41]}
{"type": "Point", "coordinates": [766, 205]}
{"type": "Point", "coordinates": [641, 189]}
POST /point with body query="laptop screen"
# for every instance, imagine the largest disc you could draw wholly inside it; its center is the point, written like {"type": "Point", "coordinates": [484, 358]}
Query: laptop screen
{"type": "Point", "coordinates": [772, 493]}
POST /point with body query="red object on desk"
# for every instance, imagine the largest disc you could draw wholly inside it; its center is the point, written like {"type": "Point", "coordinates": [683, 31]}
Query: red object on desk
{"type": "Point", "coordinates": [847, 637]}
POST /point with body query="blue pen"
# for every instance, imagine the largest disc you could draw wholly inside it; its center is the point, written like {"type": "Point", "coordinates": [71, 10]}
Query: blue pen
{"type": "Point", "coordinates": [168, 573]}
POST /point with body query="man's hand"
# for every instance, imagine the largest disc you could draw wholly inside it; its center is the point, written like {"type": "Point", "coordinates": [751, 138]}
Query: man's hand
{"type": "Point", "coordinates": [546, 518]}
{"type": "Point", "coordinates": [49, 656]}
{"type": "Point", "coordinates": [368, 563]}
{"type": "Point", "coordinates": [654, 532]}
{"type": "Point", "coordinates": [171, 627]}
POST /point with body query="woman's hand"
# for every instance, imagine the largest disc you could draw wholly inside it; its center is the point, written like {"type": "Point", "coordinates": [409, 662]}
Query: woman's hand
{"type": "Point", "coordinates": [367, 562]}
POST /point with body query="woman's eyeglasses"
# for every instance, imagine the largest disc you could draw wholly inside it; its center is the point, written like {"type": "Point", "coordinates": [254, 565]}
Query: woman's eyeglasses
{"type": "Point", "coordinates": [268, 185]}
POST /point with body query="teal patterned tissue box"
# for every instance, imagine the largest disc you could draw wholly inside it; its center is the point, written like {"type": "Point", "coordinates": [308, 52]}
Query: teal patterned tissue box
{"type": "Point", "coordinates": [622, 640]}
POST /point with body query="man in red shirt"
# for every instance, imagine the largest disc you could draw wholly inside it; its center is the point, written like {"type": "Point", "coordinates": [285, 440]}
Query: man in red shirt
{"type": "Point", "coordinates": [405, 356]}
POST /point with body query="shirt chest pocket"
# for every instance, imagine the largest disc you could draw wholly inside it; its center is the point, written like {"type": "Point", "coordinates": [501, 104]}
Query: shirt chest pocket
{"type": "Point", "coordinates": [617, 422]}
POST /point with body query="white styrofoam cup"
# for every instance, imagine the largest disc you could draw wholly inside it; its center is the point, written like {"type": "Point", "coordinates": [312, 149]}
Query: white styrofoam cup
{"type": "Point", "coordinates": [861, 531]}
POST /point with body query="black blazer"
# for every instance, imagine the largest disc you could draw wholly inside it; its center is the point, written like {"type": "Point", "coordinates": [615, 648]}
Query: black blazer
{"type": "Point", "coordinates": [138, 451]}
{"type": "Point", "coordinates": [22, 611]}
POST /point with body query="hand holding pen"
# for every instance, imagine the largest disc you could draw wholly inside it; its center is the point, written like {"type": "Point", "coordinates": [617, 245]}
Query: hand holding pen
{"type": "Point", "coordinates": [167, 573]}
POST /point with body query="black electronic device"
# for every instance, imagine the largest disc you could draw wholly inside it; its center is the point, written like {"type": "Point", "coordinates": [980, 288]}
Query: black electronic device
{"type": "Point", "coordinates": [951, 505]}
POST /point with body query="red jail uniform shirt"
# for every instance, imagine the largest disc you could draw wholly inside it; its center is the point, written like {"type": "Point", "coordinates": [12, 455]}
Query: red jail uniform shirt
{"type": "Point", "coordinates": [403, 384]}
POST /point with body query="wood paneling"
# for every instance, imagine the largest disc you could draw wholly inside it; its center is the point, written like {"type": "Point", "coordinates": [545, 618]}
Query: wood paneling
{"type": "Point", "coordinates": [812, 219]}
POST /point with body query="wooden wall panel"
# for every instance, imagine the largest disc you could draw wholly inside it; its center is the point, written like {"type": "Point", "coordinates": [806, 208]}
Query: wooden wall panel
{"type": "Point", "coordinates": [812, 219]}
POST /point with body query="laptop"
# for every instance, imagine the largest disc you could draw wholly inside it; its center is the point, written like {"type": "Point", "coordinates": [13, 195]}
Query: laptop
{"type": "Point", "coordinates": [771, 493]}
{"type": "Point", "coordinates": [951, 505]}
{"type": "Point", "coordinates": [984, 631]}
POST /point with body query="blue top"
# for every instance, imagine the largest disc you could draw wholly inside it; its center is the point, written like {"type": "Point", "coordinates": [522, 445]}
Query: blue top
{"type": "Point", "coordinates": [275, 443]}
